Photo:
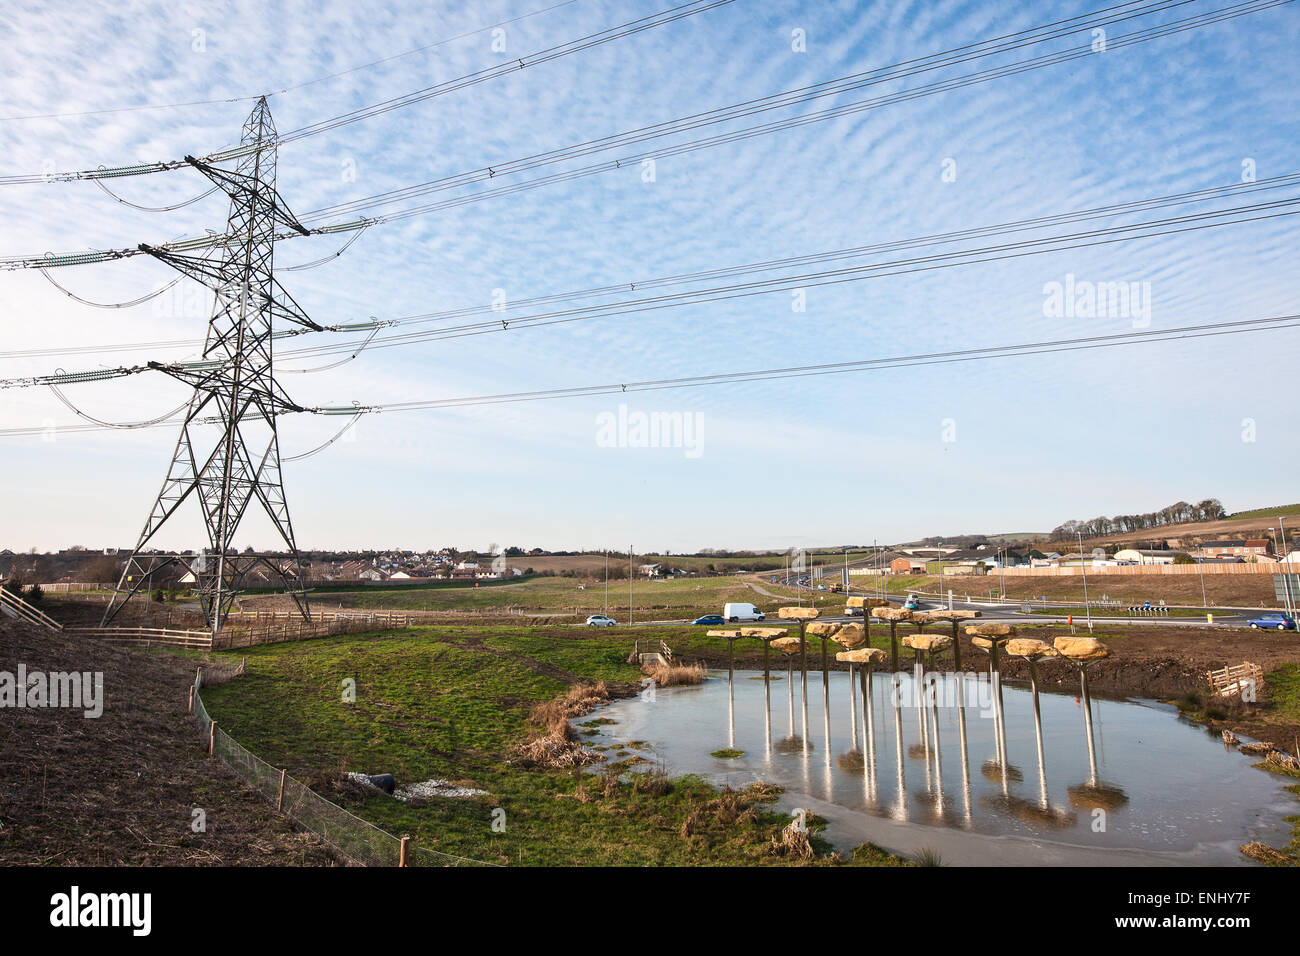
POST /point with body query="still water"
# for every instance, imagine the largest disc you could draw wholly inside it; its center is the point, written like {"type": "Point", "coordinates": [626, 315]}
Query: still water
{"type": "Point", "coordinates": [951, 769]}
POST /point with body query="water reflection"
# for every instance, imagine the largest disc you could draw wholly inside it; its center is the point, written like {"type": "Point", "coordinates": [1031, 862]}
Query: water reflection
{"type": "Point", "coordinates": [1161, 783]}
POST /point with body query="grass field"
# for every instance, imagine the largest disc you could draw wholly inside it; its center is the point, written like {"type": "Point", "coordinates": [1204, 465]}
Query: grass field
{"type": "Point", "coordinates": [453, 703]}
{"type": "Point", "coordinates": [1283, 510]}
{"type": "Point", "coordinates": [654, 599]}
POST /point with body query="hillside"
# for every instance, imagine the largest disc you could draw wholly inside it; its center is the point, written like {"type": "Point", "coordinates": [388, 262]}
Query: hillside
{"type": "Point", "coordinates": [1248, 524]}
{"type": "Point", "coordinates": [121, 789]}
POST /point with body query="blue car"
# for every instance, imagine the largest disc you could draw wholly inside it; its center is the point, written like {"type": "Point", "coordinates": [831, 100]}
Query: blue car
{"type": "Point", "coordinates": [1278, 622]}
{"type": "Point", "coordinates": [709, 619]}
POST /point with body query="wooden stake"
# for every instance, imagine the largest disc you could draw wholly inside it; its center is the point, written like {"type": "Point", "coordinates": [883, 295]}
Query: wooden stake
{"type": "Point", "coordinates": [401, 861]}
{"type": "Point", "coordinates": [212, 736]}
{"type": "Point", "coordinates": [191, 701]}
{"type": "Point", "coordinates": [279, 801]}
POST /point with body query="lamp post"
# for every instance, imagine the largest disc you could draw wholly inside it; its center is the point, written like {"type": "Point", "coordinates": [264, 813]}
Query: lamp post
{"type": "Point", "coordinates": [1084, 568]}
{"type": "Point", "coordinates": [1286, 591]}
{"type": "Point", "coordinates": [1205, 602]}
{"type": "Point", "coordinates": [1286, 580]}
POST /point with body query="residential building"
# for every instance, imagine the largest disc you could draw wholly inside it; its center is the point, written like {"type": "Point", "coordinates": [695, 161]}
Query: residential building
{"type": "Point", "coordinates": [1238, 548]}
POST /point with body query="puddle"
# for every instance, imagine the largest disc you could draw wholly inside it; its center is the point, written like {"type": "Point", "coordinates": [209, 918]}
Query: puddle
{"type": "Point", "coordinates": [930, 773]}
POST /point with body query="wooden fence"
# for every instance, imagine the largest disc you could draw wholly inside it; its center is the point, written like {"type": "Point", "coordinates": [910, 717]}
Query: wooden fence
{"type": "Point", "coordinates": [16, 607]}
{"type": "Point", "coordinates": [1233, 680]}
{"type": "Point", "coordinates": [1067, 570]}
{"type": "Point", "coordinates": [237, 636]}
{"type": "Point", "coordinates": [373, 618]}
{"type": "Point", "coordinates": [145, 636]}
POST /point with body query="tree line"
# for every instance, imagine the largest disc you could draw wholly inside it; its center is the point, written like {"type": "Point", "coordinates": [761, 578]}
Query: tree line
{"type": "Point", "coordinates": [1211, 509]}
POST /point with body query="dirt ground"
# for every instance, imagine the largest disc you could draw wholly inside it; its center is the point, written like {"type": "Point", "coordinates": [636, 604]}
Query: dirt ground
{"type": "Point", "coordinates": [121, 789]}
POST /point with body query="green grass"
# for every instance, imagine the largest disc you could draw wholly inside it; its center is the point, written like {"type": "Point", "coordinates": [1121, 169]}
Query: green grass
{"type": "Point", "coordinates": [390, 586]}
{"type": "Point", "coordinates": [453, 702]}
{"type": "Point", "coordinates": [1284, 692]}
{"type": "Point", "coordinates": [1273, 512]}
{"type": "Point", "coordinates": [668, 598]}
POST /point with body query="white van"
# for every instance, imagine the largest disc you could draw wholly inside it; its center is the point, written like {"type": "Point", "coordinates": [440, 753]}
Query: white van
{"type": "Point", "coordinates": [742, 612]}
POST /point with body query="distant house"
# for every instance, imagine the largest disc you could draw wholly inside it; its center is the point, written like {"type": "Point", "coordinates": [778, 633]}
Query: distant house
{"type": "Point", "coordinates": [649, 570]}
{"type": "Point", "coordinates": [974, 557]}
{"type": "Point", "coordinates": [1239, 548]}
{"type": "Point", "coordinates": [906, 565]}
{"type": "Point", "coordinates": [1146, 555]}
{"type": "Point", "coordinates": [373, 574]}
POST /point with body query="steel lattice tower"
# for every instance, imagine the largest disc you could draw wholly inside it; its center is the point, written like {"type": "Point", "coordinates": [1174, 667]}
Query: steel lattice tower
{"type": "Point", "coordinates": [228, 454]}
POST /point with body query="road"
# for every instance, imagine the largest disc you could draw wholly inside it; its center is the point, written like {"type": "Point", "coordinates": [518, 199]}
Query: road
{"type": "Point", "coordinates": [999, 611]}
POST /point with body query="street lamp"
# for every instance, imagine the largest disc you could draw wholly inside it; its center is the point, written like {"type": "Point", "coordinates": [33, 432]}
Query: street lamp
{"type": "Point", "coordinates": [1286, 590]}
{"type": "Point", "coordinates": [1281, 555]}
{"type": "Point", "coordinates": [1087, 608]}
{"type": "Point", "coordinates": [1201, 571]}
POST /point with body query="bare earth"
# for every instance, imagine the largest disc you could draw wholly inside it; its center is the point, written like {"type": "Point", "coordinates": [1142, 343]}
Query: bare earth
{"type": "Point", "coordinates": [121, 789]}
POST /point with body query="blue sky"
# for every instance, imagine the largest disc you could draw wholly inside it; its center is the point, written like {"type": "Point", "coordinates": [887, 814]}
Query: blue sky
{"type": "Point", "coordinates": [1015, 444]}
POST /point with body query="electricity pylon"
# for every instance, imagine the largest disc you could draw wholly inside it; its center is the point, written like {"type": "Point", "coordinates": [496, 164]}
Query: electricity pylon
{"type": "Point", "coordinates": [228, 454]}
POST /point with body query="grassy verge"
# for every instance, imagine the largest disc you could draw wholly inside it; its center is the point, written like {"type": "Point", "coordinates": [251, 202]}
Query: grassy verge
{"type": "Point", "coordinates": [455, 703]}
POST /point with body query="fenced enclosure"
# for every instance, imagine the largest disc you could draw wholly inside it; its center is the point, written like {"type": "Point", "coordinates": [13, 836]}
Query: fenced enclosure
{"type": "Point", "coordinates": [360, 842]}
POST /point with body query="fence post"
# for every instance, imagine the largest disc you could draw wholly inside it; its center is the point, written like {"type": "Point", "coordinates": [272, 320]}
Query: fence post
{"type": "Point", "coordinates": [401, 860]}
{"type": "Point", "coordinates": [279, 800]}
{"type": "Point", "coordinates": [212, 737]}
{"type": "Point", "coordinates": [190, 705]}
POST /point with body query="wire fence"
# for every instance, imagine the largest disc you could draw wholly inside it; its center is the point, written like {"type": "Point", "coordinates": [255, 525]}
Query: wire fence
{"type": "Point", "coordinates": [360, 842]}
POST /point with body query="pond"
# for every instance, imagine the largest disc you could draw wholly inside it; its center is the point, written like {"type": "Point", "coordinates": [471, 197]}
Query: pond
{"type": "Point", "coordinates": [937, 763]}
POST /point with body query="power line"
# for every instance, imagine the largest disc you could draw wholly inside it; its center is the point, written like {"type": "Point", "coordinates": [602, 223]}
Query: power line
{"type": "Point", "coordinates": [487, 173]}
{"type": "Point", "coordinates": [104, 111]}
{"type": "Point", "coordinates": [1115, 209]}
{"type": "Point", "coordinates": [629, 28]}
{"type": "Point", "coordinates": [502, 324]}
{"type": "Point", "coordinates": [832, 368]}
{"type": "Point", "coordinates": [980, 353]}
{"type": "Point", "coordinates": [750, 107]}
{"type": "Point", "coordinates": [1107, 235]}
{"type": "Point", "coordinates": [1142, 36]}
{"type": "Point", "coordinates": [1111, 234]}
